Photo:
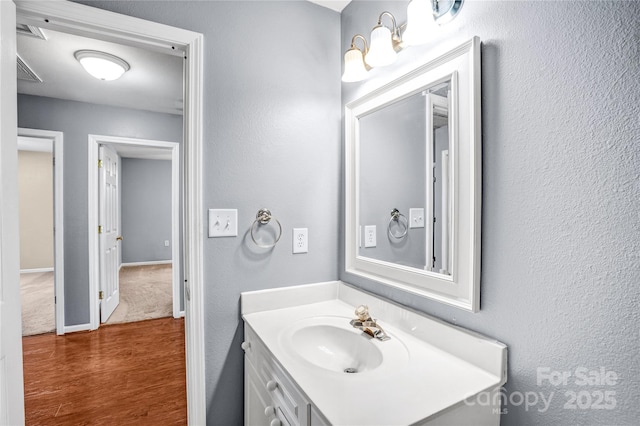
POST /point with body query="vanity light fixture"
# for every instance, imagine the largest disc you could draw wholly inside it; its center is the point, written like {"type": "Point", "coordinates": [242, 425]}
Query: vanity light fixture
{"type": "Point", "coordinates": [386, 43]}
{"type": "Point", "coordinates": [101, 65]}
{"type": "Point", "coordinates": [355, 68]}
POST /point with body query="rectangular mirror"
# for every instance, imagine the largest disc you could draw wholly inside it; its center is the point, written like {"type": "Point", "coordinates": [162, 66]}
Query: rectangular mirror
{"type": "Point", "coordinates": [413, 181]}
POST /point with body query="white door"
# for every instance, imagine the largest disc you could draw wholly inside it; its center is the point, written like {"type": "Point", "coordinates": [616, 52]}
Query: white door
{"type": "Point", "coordinates": [109, 207]}
{"type": "Point", "coordinates": [11, 384]}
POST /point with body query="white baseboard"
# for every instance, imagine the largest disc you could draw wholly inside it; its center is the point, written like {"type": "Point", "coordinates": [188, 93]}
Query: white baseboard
{"type": "Point", "coordinates": [151, 262]}
{"type": "Point", "coordinates": [79, 327]}
{"type": "Point", "coordinates": [35, 271]}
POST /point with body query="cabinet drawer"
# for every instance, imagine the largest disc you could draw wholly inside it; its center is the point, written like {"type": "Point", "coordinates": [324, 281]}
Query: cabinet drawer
{"type": "Point", "coordinates": [282, 391]}
{"type": "Point", "coordinates": [260, 409]}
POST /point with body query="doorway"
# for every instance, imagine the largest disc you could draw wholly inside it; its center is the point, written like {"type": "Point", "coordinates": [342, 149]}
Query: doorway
{"type": "Point", "coordinates": [132, 148]}
{"type": "Point", "coordinates": [86, 20]}
{"type": "Point", "coordinates": [36, 272]}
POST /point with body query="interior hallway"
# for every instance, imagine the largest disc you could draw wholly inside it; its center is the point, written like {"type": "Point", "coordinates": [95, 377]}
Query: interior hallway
{"type": "Point", "coordinates": [146, 292]}
{"type": "Point", "coordinates": [120, 374]}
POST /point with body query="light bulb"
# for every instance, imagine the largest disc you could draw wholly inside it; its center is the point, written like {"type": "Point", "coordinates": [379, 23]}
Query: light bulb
{"type": "Point", "coordinates": [354, 69]}
{"type": "Point", "coordinates": [381, 52]}
{"type": "Point", "coordinates": [420, 22]}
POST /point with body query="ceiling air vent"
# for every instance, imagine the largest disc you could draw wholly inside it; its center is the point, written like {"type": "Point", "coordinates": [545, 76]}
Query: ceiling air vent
{"type": "Point", "coordinates": [30, 30]}
{"type": "Point", "coordinates": [25, 72]}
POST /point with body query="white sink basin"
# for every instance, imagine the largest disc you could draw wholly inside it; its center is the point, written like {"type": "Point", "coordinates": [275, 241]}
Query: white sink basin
{"type": "Point", "coordinates": [332, 344]}
{"type": "Point", "coordinates": [336, 349]}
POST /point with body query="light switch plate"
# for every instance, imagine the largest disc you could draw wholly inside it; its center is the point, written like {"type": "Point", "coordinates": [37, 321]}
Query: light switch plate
{"type": "Point", "coordinates": [416, 218]}
{"type": "Point", "coordinates": [223, 223]}
{"type": "Point", "coordinates": [370, 236]}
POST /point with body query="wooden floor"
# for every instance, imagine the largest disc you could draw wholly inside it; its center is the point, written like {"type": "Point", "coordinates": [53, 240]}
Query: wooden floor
{"type": "Point", "coordinates": [123, 374]}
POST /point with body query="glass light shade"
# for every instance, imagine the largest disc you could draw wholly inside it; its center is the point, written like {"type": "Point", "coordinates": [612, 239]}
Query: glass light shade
{"type": "Point", "coordinates": [420, 22]}
{"type": "Point", "coordinates": [381, 52]}
{"type": "Point", "coordinates": [354, 69]}
{"type": "Point", "coordinates": [102, 66]}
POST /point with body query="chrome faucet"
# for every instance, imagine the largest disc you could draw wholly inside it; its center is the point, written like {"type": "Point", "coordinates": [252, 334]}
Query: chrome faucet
{"type": "Point", "coordinates": [365, 323]}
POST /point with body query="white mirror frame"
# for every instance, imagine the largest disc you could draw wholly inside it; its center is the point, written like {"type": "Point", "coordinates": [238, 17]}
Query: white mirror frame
{"type": "Point", "coordinates": [461, 66]}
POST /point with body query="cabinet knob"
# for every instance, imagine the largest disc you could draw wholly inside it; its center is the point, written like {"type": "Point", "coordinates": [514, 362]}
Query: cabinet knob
{"type": "Point", "coordinates": [245, 346]}
{"type": "Point", "coordinates": [275, 422]}
{"type": "Point", "coordinates": [272, 385]}
{"type": "Point", "coordinates": [270, 410]}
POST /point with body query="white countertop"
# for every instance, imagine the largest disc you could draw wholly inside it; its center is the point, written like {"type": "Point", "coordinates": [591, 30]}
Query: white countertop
{"type": "Point", "coordinates": [427, 382]}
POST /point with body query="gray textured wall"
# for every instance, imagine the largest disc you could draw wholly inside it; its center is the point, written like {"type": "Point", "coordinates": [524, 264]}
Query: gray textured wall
{"type": "Point", "coordinates": [561, 192]}
{"type": "Point", "coordinates": [77, 120]}
{"type": "Point", "coordinates": [392, 175]}
{"type": "Point", "coordinates": [146, 209]}
{"type": "Point", "coordinates": [272, 139]}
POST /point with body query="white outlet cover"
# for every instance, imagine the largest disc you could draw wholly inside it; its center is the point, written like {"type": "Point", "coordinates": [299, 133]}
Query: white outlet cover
{"type": "Point", "coordinates": [416, 218]}
{"type": "Point", "coordinates": [300, 240]}
{"type": "Point", "coordinates": [370, 236]}
{"type": "Point", "coordinates": [223, 223]}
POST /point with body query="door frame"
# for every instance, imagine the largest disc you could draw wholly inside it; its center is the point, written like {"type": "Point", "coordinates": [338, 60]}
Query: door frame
{"type": "Point", "coordinates": [94, 251]}
{"type": "Point", "coordinates": [92, 22]}
{"type": "Point", "coordinates": [57, 140]}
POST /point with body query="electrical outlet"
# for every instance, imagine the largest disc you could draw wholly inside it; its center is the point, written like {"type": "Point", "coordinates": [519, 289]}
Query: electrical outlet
{"type": "Point", "coordinates": [166, 243]}
{"type": "Point", "coordinates": [300, 240]}
{"type": "Point", "coordinates": [223, 223]}
{"type": "Point", "coordinates": [370, 236]}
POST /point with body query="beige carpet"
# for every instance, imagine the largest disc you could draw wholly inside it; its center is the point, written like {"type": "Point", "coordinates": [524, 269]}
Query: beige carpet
{"type": "Point", "coordinates": [38, 310]}
{"type": "Point", "coordinates": [146, 292]}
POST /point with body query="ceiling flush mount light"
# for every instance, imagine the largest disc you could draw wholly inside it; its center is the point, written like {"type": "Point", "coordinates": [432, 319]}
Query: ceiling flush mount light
{"type": "Point", "coordinates": [386, 43]}
{"type": "Point", "coordinates": [355, 69]}
{"type": "Point", "coordinates": [101, 65]}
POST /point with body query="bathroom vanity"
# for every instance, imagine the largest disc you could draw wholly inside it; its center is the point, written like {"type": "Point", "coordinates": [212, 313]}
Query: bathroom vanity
{"type": "Point", "coordinates": [305, 364]}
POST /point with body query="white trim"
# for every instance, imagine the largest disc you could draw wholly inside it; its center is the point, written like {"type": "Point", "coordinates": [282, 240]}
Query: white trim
{"type": "Point", "coordinates": [48, 138]}
{"type": "Point", "coordinates": [94, 253]}
{"type": "Point", "coordinates": [36, 270]}
{"type": "Point", "coordinates": [76, 328]}
{"type": "Point", "coordinates": [149, 263]}
{"type": "Point", "coordinates": [11, 377]}
{"type": "Point", "coordinates": [92, 22]}
{"type": "Point", "coordinates": [194, 226]}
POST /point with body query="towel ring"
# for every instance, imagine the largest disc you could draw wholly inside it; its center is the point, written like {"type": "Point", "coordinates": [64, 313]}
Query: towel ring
{"type": "Point", "coordinates": [262, 218]}
{"type": "Point", "coordinates": [400, 218]}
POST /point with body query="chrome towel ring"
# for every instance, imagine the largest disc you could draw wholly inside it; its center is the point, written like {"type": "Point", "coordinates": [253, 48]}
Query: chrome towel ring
{"type": "Point", "coordinates": [402, 221]}
{"type": "Point", "coordinates": [263, 217]}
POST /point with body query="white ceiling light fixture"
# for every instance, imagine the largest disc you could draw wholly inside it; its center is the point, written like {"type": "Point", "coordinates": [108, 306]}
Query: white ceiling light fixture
{"type": "Point", "coordinates": [101, 65]}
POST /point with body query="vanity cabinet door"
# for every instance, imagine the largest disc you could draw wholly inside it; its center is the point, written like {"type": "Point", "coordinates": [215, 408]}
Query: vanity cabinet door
{"type": "Point", "coordinates": [255, 402]}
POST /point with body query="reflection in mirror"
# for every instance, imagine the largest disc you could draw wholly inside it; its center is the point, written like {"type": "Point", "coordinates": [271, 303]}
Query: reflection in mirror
{"type": "Point", "coordinates": [414, 179]}
{"type": "Point", "coordinates": [397, 143]}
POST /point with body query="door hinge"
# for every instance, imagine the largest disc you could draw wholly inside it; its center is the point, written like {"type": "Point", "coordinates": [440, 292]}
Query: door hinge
{"type": "Point", "coordinates": [100, 164]}
{"type": "Point", "coordinates": [100, 229]}
{"type": "Point", "coordinates": [101, 295]}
